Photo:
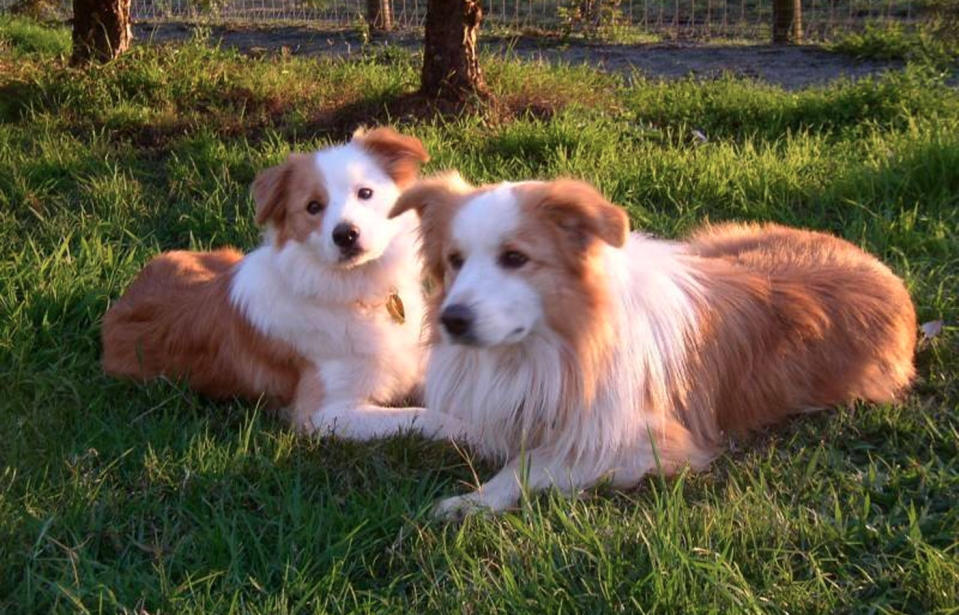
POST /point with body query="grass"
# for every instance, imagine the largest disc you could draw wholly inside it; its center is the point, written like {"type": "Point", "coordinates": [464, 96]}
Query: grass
{"type": "Point", "coordinates": [116, 497]}
{"type": "Point", "coordinates": [934, 42]}
{"type": "Point", "coordinates": [21, 35]}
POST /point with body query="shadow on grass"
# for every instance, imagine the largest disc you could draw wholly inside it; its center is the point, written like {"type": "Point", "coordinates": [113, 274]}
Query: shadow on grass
{"type": "Point", "coordinates": [240, 113]}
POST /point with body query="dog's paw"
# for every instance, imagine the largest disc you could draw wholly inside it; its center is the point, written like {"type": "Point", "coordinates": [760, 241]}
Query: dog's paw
{"type": "Point", "coordinates": [459, 507]}
{"type": "Point", "coordinates": [299, 420]}
{"type": "Point", "coordinates": [303, 426]}
{"type": "Point", "coordinates": [323, 424]}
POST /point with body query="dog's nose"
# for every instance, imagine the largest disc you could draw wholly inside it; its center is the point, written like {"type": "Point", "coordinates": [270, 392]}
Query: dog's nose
{"type": "Point", "coordinates": [345, 235]}
{"type": "Point", "coordinates": [457, 319]}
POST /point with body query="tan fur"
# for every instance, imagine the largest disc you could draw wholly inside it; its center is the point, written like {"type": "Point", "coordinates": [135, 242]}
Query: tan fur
{"type": "Point", "coordinates": [175, 320]}
{"type": "Point", "coordinates": [677, 447]}
{"type": "Point", "coordinates": [399, 155]}
{"type": "Point", "coordinates": [564, 225]}
{"type": "Point", "coordinates": [436, 200]}
{"type": "Point", "coordinates": [282, 194]}
{"type": "Point", "coordinates": [307, 398]}
{"type": "Point", "coordinates": [578, 210]}
{"type": "Point", "coordinates": [794, 320]}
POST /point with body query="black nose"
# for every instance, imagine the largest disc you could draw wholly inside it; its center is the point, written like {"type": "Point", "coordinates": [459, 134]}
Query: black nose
{"type": "Point", "coordinates": [345, 235]}
{"type": "Point", "coordinates": [457, 319]}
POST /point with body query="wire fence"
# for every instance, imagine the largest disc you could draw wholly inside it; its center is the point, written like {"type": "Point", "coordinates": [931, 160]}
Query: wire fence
{"type": "Point", "coordinates": [678, 18]}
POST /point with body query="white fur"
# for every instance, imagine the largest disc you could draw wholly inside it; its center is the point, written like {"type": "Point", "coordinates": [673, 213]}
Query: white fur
{"type": "Point", "coordinates": [346, 169]}
{"type": "Point", "coordinates": [502, 395]}
{"type": "Point", "coordinates": [506, 307]}
{"type": "Point", "coordinates": [336, 316]}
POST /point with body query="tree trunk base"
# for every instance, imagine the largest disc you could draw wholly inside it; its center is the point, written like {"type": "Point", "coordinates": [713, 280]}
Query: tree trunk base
{"type": "Point", "coordinates": [451, 69]}
{"type": "Point", "coordinates": [101, 30]}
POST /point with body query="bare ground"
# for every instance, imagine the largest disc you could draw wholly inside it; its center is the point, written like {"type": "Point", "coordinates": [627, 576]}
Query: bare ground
{"type": "Point", "coordinates": [790, 67]}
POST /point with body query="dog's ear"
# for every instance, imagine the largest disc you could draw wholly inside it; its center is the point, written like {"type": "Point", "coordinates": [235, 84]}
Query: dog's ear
{"type": "Point", "coordinates": [400, 155]}
{"type": "Point", "coordinates": [435, 200]}
{"type": "Point", "coordinates": [436, 192]}
{"type": "Point", "coordinates": [582, 213]}
{"type": "Point", "coordinates": [269, 193]}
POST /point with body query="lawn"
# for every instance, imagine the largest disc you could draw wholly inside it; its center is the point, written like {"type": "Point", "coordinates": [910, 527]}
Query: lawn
{"type": "Point", "coordinates": [117, 497]}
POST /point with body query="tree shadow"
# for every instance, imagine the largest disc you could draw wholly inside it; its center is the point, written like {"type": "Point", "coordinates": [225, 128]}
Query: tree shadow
{"type": "Point", "coordinates": [410, 108]}
{"type": "Point", "coordinates": [399, 109]}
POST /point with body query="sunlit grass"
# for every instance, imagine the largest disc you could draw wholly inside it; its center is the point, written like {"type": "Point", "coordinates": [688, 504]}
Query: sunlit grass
{"type": "Point", "coordinates": [115, 496]}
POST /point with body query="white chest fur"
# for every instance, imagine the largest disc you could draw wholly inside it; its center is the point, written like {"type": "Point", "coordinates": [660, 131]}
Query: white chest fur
{"type": "Point", "coordinates": [507, 394]}
{"type": "Point", "coordinates": [340, 316]}
{"type": "Point", "coordinates": [511, 394]}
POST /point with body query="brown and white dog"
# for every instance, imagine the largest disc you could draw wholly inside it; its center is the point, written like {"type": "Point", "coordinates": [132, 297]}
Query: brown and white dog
{"type": "Point", "coordinates": [326, 313]}
{"type": "Point", "coordinates": [577, 352]}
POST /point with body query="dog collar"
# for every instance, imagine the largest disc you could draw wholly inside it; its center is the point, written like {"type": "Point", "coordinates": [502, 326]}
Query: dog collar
{"type": "Point", "coordinates": [394, 307]}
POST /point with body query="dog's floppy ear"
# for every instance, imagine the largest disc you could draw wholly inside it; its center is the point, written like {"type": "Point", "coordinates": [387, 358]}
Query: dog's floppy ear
{"type": "Point", "coordinates": [269, 192]}
{"type": "Point", "coordinates": [400, 155]}
{"type": "Point", "coordinates": [581, 212]}
{"type": "Point", "coordinates": [435, 200]}
{"type": "Point", "coordinates": [435, 191]}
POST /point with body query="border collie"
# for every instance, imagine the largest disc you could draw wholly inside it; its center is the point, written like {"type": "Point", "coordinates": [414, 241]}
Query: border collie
{"type": "Point", "coordinates": [326, 313]}
{"type": "Point", "coordinates": [576, 352]}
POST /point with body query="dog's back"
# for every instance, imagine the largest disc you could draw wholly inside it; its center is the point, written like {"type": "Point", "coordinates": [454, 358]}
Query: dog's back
{"type": "Point", "coordinates": [175, 320]}
{"type": "Point", "coordinates": [818, 322]}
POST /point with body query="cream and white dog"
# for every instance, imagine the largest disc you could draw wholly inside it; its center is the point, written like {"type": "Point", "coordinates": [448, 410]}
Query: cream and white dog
{"type": "Point", "coordinates": [577, 352]}
{"type": "Point", "coordinates": [326, 314]}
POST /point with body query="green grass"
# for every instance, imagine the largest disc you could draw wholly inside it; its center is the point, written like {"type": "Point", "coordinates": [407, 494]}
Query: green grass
{"type": "Point", "coordinates": [934, 42]}
{"type": "Point", "coordinates": [121, 497]}
{"type": "Point", "coordinates": [20, 35]}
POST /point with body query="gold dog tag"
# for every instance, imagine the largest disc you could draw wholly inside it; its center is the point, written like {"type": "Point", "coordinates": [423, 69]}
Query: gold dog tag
{"type": "Point", "coordinates": [394, 305]}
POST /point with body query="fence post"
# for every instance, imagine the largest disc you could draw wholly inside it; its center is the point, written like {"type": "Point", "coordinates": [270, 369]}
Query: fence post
{"type": "Point", "coordinates": [787, 22]}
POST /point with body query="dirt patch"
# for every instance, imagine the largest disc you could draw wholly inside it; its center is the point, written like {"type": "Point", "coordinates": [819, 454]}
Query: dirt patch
{"type": "Point", "coordinates": [790, 67]}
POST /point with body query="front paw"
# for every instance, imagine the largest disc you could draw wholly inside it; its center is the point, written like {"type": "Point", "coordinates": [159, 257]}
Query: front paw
{"type": "Point", "coordinates": [324, 424]}
{"type": "Point", "coordinates": [301, 421]}
{"type": "Point", "coordinates": [303, 426]}
{"type": "Point", "coordinates": [459, 507]}
{"type": "Point", "coordinates": [456, 508]}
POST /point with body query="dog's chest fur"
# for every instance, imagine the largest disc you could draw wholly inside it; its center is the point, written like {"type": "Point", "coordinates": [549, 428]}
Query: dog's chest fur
{"type": "Point", "coordinates": [327, 316]}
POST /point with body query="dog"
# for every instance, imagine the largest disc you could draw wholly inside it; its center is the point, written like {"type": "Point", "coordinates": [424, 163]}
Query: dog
{"type": "Point", "coordinates": [578, 352]}
{"type": "Point", "coordinates": [326, 312]}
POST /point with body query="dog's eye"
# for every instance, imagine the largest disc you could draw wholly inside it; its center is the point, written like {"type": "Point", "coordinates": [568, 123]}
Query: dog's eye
{"type": "Point", "coordinates": [364, 194]}
{"type": "Point", "coordinates": [314, 207]}
{"type": "Point", "coordinates": [511, 259]}
{"type": "Point", "coordinates": [455, 259]}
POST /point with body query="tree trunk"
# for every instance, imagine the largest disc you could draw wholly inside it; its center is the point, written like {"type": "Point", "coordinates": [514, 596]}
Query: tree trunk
{"type": "Point", "coordinates": [379, 15]}
{"type": "Point", "coordinates": [451, 67]}
{"type": "Point", "coordinates": [787, 22]}
{"type": "Point", "coordinates": [101, 30]}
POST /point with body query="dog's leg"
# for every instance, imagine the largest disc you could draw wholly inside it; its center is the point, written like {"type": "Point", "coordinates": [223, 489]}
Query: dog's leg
{"type": "Point", "coordinates": [667, 447]}
{"type": "Point", "coordinates": [346, 410]}
{"type": "Point", "coordinates": [356, 421]}
{"type": "Point", "coordinates": [308, 396]}
{"type": "Point", "coordinates": [537, 470]}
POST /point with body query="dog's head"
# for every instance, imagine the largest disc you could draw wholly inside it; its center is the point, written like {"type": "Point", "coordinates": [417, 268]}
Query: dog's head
{"type": "Point", "coordinates": [336, 202]}
{"type": "Point", "coordinates": [510, 259]}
